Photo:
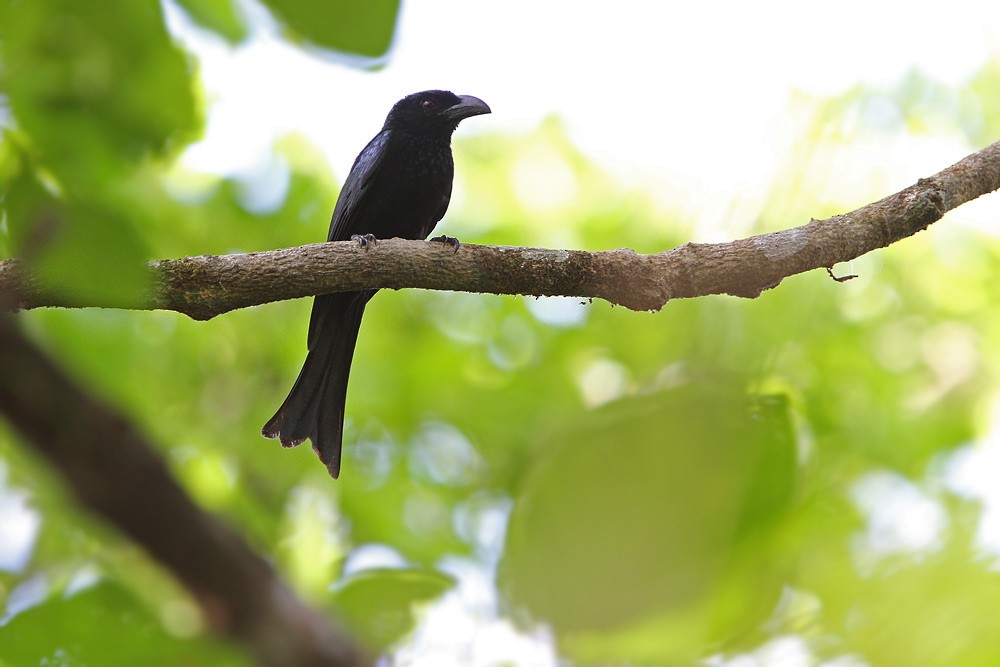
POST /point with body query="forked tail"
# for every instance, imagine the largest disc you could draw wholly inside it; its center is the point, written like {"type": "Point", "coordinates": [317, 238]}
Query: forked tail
{"type": "Point", "coordinates": [314, 408]}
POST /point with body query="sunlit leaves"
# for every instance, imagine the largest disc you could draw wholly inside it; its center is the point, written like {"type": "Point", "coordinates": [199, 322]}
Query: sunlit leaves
{"type": "Point", "coordinates": [84, 250]}
{"type": "Point", "coordinates": [381, 604]}
{"type": "Point", "coordinates": [985, 117]}
{"type": "Point", "coordinates": [653, 518]}
{"type": "Point", "coordinates": [221, 16]}
{"type": "Point", "coordinates": [361, 28]}
{"type": "Point", "coordinates": [94, 90]}
{"type": "Point", "coordinates": [930, 612]}
{"type": "Point", "coordinates": [96, 85]}
{"type": "Point", "coordinates": [103, 625]}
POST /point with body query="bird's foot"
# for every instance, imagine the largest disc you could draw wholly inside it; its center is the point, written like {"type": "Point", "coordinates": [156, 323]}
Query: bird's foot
{"type": "Point", "coordinates": [447, 240]}
{"type": "Point", "coordinates": [364, 240]}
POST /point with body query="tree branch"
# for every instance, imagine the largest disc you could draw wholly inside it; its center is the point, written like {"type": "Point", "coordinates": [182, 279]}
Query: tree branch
{"type": "Point", "coordinates": [209, 285]}
{"type": "Point", "coordinates": [116, 474]}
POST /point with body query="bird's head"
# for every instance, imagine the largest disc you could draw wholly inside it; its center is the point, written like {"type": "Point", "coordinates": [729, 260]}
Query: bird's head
{"type": "Point", "coordinates": [434, 111]}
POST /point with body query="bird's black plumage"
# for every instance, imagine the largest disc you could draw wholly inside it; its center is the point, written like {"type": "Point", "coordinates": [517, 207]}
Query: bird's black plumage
{"type": "Point", "coordinates": [399, 186]}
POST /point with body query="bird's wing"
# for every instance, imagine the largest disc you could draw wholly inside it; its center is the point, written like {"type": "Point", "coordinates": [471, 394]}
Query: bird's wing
{"type": "Point", "coordinates": [350, 210]}
{"type": "Point", "coordinates": [350, 203]}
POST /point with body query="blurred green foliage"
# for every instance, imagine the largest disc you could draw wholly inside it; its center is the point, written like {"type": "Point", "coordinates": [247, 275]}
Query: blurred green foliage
{"type": "Point", "coordinates": [97, 90]}
{"type": "Point", "coordinates": [646, 554]}
{"type": "Point", "coordinates": [223, 17]}
{"type": "Point", "coordinates": [103, 626]}
{"type": "Point", "coordinates": [704, 480]}
{"type": "Point", "coordinates": [377, 603]}
{"type": "Point", "coordinates": [365, 29]}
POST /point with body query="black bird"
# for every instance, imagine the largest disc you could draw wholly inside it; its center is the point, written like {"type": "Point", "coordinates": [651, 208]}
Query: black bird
{"type": "Point", "coordinates": [399, 186]}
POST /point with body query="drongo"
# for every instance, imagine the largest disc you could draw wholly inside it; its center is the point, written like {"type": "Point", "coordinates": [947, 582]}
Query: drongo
{"type": "Point", "coordinates": [399, 186]}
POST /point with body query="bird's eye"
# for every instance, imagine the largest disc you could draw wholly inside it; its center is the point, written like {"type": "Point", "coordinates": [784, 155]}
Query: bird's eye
{"type": "Point", "coordinates": [428, 106]}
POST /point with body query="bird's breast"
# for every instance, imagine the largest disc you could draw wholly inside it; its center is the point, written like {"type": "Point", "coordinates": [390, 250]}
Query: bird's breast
{"type": "Point", "coordinates": [417, 194]}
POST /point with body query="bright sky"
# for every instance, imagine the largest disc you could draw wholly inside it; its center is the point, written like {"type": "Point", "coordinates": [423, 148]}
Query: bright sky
{"type": "Point", "coordinates": [696, 90]}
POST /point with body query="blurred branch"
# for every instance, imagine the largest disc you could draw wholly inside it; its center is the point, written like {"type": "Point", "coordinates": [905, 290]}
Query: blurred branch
{"type": "Point", "coordinates": [113, 471]}
{"type": "Point", "coordinates": [206, 286]}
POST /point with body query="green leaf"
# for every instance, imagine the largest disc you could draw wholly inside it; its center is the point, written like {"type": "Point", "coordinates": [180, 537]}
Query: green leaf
{"type": "Point", "coordinates": [82, 251]}
{"type": "Point", "coordinates": [103, 626]}
{"type": "Point", "coordinates": [96, 86]}
{"type": "Point", "coordinates": [653, 518]}
{"type": "Point", "coordinates": [222, 17]}
{"type": "Point", "coordinates": [94, 90]}
{"type": "Point", "coordinates": [380, 605]}
{"type": "Point", "coordinates": [932, 611]}
{"type": "Point", "coordinates": [363, 28]}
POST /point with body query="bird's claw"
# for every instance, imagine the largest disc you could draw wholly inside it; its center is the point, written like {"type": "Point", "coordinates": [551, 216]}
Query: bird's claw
{"type": "Point", "coordinates": [447, 240]}
{"type": "Point", "coordinates": [364, 240]}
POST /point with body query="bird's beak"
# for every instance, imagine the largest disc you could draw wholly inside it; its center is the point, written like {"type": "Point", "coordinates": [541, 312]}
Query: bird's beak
{"type": "Point", "coordinates": [466, 107]}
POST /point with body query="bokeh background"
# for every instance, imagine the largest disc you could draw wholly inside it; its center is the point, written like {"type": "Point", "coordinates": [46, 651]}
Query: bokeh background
{"type": "Point", "coordinates": [805, 479]}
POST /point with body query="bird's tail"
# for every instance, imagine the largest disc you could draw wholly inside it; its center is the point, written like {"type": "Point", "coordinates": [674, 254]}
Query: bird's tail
{"type": "Point", "coordinates": [314, 407]}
